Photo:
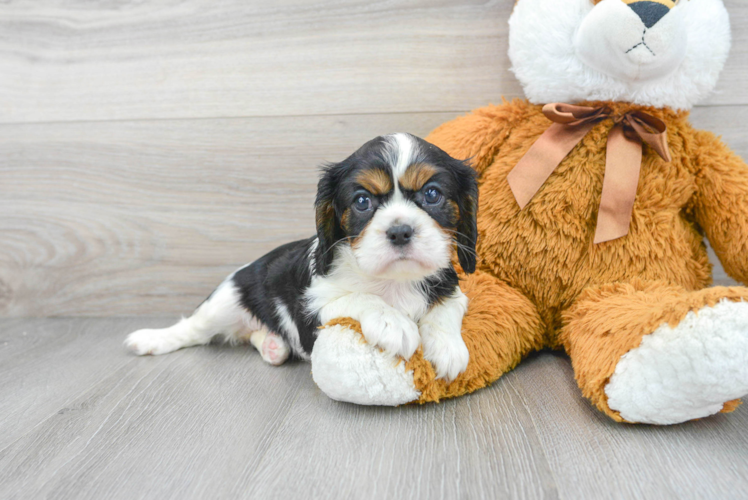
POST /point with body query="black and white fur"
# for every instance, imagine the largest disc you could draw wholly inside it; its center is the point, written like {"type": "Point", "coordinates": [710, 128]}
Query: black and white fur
{"type": "Point", "coordinates": [362, 264]}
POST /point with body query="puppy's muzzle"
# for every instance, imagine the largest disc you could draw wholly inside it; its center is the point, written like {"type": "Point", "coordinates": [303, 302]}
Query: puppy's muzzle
{"type": "Point", "coordinates": [400, 235]}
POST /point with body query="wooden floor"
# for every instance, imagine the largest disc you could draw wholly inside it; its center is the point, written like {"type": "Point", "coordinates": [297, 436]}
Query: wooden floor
{"type": "Point", "coordinates": [80, 418]}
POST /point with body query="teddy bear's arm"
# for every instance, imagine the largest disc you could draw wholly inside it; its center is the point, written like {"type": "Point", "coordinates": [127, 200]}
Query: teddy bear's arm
{"type": "Point", "coordinates": [479, 135]}
{"type": "Point", "coordinates": [721, 203]}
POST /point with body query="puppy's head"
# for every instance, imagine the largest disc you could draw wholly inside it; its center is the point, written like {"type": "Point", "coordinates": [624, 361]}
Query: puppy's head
{"type": "Point", "coordinates": [401, 206]}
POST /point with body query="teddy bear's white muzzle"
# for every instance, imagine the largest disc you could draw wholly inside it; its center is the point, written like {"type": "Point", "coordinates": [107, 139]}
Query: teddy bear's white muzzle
{"type": "Point", "coordinates": [633, 41]}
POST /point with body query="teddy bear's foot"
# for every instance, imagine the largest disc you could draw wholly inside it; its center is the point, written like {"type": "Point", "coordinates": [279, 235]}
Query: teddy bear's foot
{"type": "Point", "coordinates": [653, 352]}
{"type": "Point", "coordinates": [687, 371]}
{"type": "Point", "coordinates": [346, 368]}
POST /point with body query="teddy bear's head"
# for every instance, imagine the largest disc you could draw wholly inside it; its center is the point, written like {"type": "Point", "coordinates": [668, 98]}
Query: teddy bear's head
{"type": "Point", "coordinates": [652, 52]}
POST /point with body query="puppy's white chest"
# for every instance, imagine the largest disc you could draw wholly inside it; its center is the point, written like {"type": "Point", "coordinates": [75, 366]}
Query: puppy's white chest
{"type": "Point", "coordinates": [406, 299]}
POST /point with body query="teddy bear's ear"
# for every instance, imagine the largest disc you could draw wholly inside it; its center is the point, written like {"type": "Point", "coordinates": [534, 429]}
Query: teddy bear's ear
{"type": "Point", "coordinates": [467, 227]}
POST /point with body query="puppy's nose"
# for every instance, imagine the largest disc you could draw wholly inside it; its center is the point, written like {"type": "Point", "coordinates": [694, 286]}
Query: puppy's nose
{"type": "Point", "coordinates": [400, 235]}
{"type": "Point", "coordinates": [650, 12]}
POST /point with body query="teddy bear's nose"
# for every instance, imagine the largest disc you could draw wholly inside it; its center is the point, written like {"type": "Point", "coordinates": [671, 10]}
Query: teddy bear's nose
{"type": "Point", "coordinates": [650, 12]}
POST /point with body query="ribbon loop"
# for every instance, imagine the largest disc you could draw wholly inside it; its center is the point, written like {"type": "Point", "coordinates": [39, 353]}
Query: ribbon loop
{"type": "Point", "coordinates": [651, 130]}
{"type": "Point", "coordinates": [622, 165]}
{"type": "Point", "coordinates": [569, 114]}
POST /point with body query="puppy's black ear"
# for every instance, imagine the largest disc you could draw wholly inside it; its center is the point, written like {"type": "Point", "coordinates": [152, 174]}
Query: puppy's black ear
{"type": "Point", "coordinates": [328, 228]}
{"type": "Point", "coordinates": [467, 227]}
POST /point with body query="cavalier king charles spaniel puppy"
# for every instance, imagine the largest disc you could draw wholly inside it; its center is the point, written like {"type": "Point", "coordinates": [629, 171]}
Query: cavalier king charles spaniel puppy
{"type": "Point", "coordinates": [389, 219]}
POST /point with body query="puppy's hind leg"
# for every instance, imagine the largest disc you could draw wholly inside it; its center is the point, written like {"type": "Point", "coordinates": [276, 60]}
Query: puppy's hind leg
{"type": "Point", "coordinates": [272, 347]}
{"type": "Point", "coordinates": [221, 313]}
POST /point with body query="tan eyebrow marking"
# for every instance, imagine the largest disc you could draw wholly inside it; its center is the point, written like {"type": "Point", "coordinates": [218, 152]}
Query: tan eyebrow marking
{"type": "Point", "coordinates": [375, 181]}
{"type": "Point", "coordinates": [416, 176]}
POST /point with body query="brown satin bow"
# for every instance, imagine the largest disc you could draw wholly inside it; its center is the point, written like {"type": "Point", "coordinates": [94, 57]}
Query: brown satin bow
{"type": "Point", "coordinates": [622, 164]}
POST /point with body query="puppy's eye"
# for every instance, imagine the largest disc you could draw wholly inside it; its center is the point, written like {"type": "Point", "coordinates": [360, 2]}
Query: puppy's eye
{"type": "Point", "coordinates": [432, 196]}
{"type": "Point", "coordinates": [362, 203]}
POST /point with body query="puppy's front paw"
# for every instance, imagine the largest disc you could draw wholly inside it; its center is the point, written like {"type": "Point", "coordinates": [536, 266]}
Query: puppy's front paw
{"type": "Point", "coordinates": [446, 351]}
{"type": "Point", "coordinates": [150, 341]}
{"type": "Point", "coordinates": [391, 330]}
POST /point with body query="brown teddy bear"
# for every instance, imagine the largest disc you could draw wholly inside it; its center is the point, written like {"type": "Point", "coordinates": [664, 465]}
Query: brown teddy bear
{"type": "Point", "coordinates": [595, 197]}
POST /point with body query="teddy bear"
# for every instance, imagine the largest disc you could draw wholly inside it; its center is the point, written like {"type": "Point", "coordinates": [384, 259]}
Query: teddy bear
{"type": "Point", "coordinates": [596, 194]}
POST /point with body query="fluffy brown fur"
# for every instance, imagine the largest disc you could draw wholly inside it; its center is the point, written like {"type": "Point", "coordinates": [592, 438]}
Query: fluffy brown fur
{"type": "Point", "coordinates": [542, 282]}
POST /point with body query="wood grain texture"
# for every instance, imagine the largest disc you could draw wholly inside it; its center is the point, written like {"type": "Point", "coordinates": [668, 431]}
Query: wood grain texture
{"type": "Point", "coordinates": [217, 422]}
{"type": "Point", "coordinates": [170, 427]}
{"type": "Point", "coordinates": [482, 446]}
{"type": "Point", "coordinates": [593, 457]}
{"type": "Point", "coordinates": [115, 59]}
{"type": "Point", "coordinates": [41, 368]}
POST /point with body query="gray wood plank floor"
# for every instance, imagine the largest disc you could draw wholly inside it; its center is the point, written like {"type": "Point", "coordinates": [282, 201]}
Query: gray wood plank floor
{"type": "Point", "coordinates": [80, 418]}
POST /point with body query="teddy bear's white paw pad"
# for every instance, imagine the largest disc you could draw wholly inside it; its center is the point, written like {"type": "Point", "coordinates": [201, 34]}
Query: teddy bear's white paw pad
{"type": "Point", "coordinates": [348, 369]}
{"type": "Point", "coordinates": [686, 372]}
{"type": "Point", "coordinates": [446, 352]}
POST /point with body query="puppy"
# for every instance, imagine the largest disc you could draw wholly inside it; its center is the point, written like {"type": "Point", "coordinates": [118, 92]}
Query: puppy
{"type": "Point", "coordinates": [389, 220]}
